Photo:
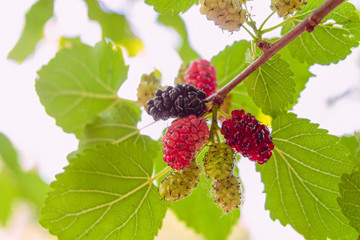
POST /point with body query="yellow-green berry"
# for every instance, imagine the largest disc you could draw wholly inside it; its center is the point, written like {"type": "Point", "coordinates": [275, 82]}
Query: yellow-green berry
{"type": "Point", "coordinates": [148, 85]}
{"type": "Point", "coordinates": [228, 193]}
{"type": "Point", "coordinates": [179, 184]}
{"type": "Point", "coordinates": [219, 161]}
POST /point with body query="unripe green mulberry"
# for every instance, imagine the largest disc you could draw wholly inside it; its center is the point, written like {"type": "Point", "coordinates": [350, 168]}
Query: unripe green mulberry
{"type": "Point", "coordinates": [228, 14]}
{"type": "Point", "coordinates": [228, 193]}
{"type": "Point", "coordinates": [219, 161]}
{"type": "Point", "coordinates": [286, 7]}
{"type": "Point", "coordinates": [179, 184]}
{"type": "Point", "coordinates": [147, 87]}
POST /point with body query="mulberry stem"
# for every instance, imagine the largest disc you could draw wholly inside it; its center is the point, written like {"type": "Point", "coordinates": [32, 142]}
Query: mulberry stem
{"type": "Point", "coordinates": [263, 23]}
{"type": "Point", "coordinates": [158, 175]}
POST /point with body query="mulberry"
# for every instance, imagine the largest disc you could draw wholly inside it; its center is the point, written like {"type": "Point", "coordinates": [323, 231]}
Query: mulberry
{"type": "Point", "coordinates": [286, 7]}
{"type": "Point", "coordinates": [228, 193]}
{"type": "Point", "coordinates": [227, 14]}
{"type": "Point", "coordinates": [179, 184]}
{"type": "Point", "coordinates": [202, 74]}
{"type": "Point", "coordinates": [147, 88]}
{"type": "Point", "coordinates": [179, 101]}
{"type": "Point", "coordinates": [183, 139]}
{"type": "Point", "coordinates": [250, 138]}
{"type": "Point", "coordinates": [219, 161]}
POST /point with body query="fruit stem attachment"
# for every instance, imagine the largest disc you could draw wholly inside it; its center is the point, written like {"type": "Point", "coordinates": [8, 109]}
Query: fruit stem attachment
{"type": "Point", "coordinates": [252, 35]}
{"type": "Point", "coordinates": [214, 126]}
{"type": "Point", "coordinates": [308, 24]}
{"type": "Point", "coordinates": [263, 23]}
{"type": "Point", "coordinates": [224, 114]}
{"type": "Point", "coordinates": [158, 175]}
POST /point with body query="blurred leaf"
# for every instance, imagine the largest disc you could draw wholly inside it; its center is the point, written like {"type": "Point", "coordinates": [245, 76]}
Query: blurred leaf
{"type": "Point", "coordinates": [8, 154]}
{"type": "Point", "coordinates": [7, 196]}
{"type": "Point", "coordinates": [301, 179]}
{"type": "Point", "coordinates": [185, 51]}
{"type": "Point", "coordinates": [330, 41]}
{"type": "Point", "coordinates": [172, 7]}
{"type": "Point", "coordinates": [229, 63]}
{"type": "Point", "coordinates": [32, 188]}
{"type": "Point", "coordinates": [106, 193]}
{"type": "Point", "coordinates": [16, 183]}
{"type": "Point", "coordinates": [350, 198]}
{"type": "Point", "coordinates": [35, 21]}
{"type": "Point", "coordinates": [69, 42]}
{"type": "Point", "coordinates": [115, 27]}
{"type": "Point", "coordinates": [271, 86]}
{"type": "Point", "coordinates": [81, 83]}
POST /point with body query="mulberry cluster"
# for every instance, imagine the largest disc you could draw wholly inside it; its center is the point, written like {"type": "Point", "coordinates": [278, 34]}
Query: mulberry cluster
{"type": "Point", "coordinates": [179, 101]}
{"type": "Point", "coordinates": [219, 161]}
{"type": "Point", "coordinates": [179, 184]}
{"type": "Point", "coordinates": [183, 139]}
{"type": "Point", "coordinates": [244, 133]}
{"type": "Point", "coordinates": [202, 74]}
{"type": "Point", "coordinates": [147, 88]}
{"type": "Point", "coordinates": [228, 193]}
{"type": "Point", "coordinates": [286, 7]}
{"type": "Point", "coordinates": [228, 14]}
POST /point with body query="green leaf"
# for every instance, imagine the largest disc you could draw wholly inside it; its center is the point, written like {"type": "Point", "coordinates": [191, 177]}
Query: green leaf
{"type": "Point", "coordinates": [172, 6]}
{"type": "Point", "coordinates": [353, 144]}
{"type": "Point", "coordinates": [81, 83]}
{"type": "Point", "coordinates": [331, 41]}
{"type": "Point", "coordinates": [301, 179]}
{"type": "Point", "coordinates": [35, 21]}
{"type": "Point", "coordinates": [114, 126]}
{"type": "Point", "coordinates": [8, 154]}
{"type": "Point", "coordinates": [301, 75]}
{"type": "Point", "coordinates": [106, 193]}
{"type": "Point", "coordinates": [116, 27]}
{"type": "Point", "coordinates": [7, 196]}
{"type": "Point", "coordinates": [271, 86]}
{"type": "Point", "coordinates": [185, 51]}
{"type": "Point", "coordinates": [350, 198]}
{"type": "Point", "coordinates": [229, 63]}
{"type": "Point", "coordinates": [200, 213]}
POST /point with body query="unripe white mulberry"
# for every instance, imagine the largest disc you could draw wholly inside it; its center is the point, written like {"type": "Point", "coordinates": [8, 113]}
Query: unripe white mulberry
{"type": "Point", "coordinates": [286, 7]}
{"type": "Point", "coordinates": [227, 14]}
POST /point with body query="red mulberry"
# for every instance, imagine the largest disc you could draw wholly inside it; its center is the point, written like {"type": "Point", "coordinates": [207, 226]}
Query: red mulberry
{"type": "Point", "coordinates": [202, 74]}
{"type": "Point", "coordinates": [250, 138]}
{"type": "Point", "coordinates": [183, 139]}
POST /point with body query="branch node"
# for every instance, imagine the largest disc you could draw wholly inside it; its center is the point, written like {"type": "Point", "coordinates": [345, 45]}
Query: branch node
{"type": "Point", "coordinates": [263, 45]}
{"type": "Point", "coordinates": [311, 25]}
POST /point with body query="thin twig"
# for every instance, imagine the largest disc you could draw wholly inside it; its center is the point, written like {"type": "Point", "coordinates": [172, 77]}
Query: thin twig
{"type": "Point", "coordinates": [269, 50]}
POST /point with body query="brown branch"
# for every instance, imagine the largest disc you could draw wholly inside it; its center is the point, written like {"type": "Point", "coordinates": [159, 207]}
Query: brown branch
{"type": "Point", "coordinates": [269, 50]}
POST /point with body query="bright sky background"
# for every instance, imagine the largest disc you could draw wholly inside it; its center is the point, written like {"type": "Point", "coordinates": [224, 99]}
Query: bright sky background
{"type": "Point", "coordinates": [43, 145]}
